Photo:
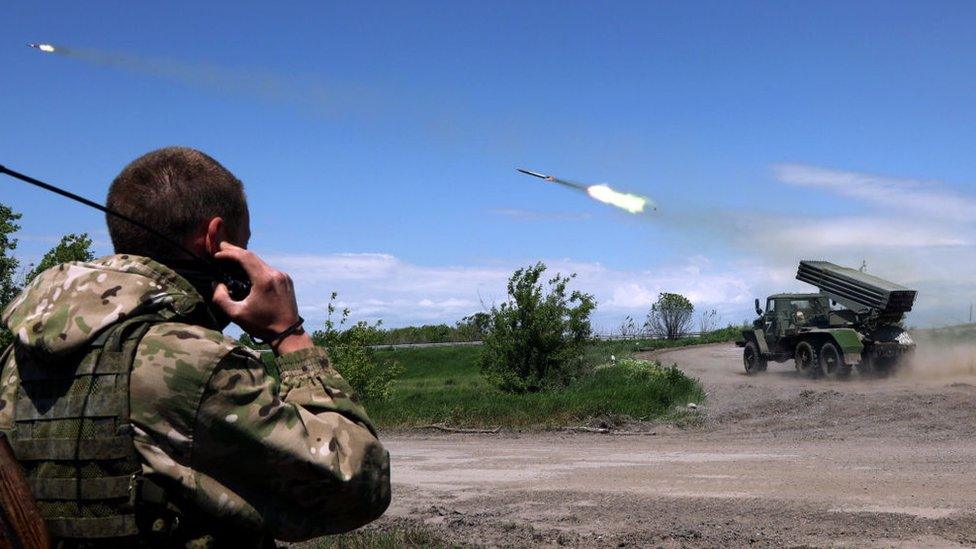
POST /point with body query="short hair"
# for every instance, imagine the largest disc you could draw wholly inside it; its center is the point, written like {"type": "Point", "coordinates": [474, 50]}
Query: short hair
{"type": "Point", "coordinates": [172, 190]}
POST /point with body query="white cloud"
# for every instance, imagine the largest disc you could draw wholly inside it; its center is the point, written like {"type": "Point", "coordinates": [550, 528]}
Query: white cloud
{"type": "Point", "coordinates": [860, 232]}
{"type": "Point", "coordinates": [918, 233]}
{"type": "Point", "coordinates": [925, 198]}
{"type": "Point", "coordinates": [382, 286]}
{"type": "Point", "coordinates": [912, 232]}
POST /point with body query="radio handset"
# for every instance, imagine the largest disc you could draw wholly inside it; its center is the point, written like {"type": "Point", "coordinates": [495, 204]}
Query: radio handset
{"type": "Point", "coordinates": [238, 285]}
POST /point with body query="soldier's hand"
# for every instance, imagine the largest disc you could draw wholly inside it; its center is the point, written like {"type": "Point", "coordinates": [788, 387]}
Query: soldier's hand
{"type": "Point", "coordinates": [269, 308]}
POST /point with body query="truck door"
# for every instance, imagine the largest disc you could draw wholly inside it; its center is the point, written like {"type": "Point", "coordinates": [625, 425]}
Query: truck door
{"type": "Point", "coordinates": [777, 321]}
{"type": "Point", "coordinates": [770, 321]}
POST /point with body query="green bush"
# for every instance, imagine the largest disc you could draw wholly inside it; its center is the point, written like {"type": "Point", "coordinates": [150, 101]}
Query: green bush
{"type": "Point", "coordinates": [372, 378]}
{"type": "Point", "coordinates": [729, 333]}
{"type": "Point", "coordinates": [651, 372]}
{"type": "Point", "coordinates": [536, 339]}
{"type": "Point", "coordinates": [670, 316]}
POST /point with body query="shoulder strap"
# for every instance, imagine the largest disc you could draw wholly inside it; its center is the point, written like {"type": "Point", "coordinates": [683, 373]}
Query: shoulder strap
{"type": "Point", "coordinates": [115, 335]}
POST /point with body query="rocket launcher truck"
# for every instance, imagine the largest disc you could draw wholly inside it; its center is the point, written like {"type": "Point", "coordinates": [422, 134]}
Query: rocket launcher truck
{"type": "Point", "coordinates": [854, 321]}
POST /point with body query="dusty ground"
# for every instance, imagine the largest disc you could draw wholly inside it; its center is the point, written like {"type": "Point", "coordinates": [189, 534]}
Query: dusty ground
{"type": "Point", "coordinates": [780, 460]}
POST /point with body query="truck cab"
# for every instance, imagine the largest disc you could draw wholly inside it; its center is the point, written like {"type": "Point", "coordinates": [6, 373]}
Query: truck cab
{"type": "Point", "coordinates": [788, 314]}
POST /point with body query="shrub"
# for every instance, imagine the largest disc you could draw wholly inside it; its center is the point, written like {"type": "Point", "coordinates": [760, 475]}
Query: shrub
{"type": "Point", "coordinates": [650, 372]}
{"type": "Point", "coordinates": [537, 338]}
{"type": "Point", "coordinates": [372, 378]}
{"type": "Point", "coordinates": [729, 333]}
{"type": "Point", "coordinates": [670, 316]}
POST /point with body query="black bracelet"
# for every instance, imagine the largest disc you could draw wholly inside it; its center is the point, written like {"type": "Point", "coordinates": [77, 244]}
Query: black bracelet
{"type": "Point", "coordinates": [282, 334]}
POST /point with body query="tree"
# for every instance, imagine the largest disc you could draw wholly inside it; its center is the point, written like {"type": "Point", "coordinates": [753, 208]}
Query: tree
{"type": "Point", "coordinates": [473, 328]}
{"type": "Point", "coordinates": [73, 247]}
{"type": "Point", "coordinates": [536, 339]}
{"type": "Point", "coordinates": [352, 356]}
{"type": "Point", "coordinates": [8, 264]}
{"type": "Point", "coordinates": [670, 316]}
{"type": "Point", "coordinates": [708, 321]}
{"type": "Point", "coordinates": [248, 341]}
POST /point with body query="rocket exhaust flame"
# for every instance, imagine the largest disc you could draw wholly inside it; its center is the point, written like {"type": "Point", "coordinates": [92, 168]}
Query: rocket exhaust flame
{"type": "Point", "coordinates": [625, 201]}
{"type": "Point", "coordinates": [630, 203]}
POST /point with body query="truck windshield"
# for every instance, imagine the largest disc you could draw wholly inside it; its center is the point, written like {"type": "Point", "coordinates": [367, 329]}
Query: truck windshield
{"type": "Point", "coordinates": [812, 305]}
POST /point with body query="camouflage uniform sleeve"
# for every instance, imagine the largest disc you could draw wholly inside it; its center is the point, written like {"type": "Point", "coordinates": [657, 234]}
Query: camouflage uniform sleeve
{"type": "Point", "coordinates": [291, 442]}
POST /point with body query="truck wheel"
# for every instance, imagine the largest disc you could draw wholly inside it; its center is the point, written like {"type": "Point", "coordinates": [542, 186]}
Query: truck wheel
{"type": "Point", "coordinates": [753, 360]}
{"type": "Point", "coordinates": [832, 362]}
{"type": "Point", "coordinates": [805, 358]}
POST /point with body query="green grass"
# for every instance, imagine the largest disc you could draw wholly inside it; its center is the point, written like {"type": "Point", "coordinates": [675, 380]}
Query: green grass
{"type": "Point", "coordinates": [443, 385]}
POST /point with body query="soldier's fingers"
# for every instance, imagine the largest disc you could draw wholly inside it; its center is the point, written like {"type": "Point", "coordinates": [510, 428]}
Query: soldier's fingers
{"type": "Point", "coordinates": [222, 299]}
{"type": "Point", "coordinates": [252, 264]}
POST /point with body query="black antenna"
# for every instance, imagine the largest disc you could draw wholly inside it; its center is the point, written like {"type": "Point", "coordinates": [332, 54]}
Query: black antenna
{"type": "Point", "coordinates": [237, 287]}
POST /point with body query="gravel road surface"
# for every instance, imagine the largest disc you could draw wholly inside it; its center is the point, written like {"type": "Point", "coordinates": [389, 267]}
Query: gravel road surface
{"type": "Point", "coordinates": [779, 460]}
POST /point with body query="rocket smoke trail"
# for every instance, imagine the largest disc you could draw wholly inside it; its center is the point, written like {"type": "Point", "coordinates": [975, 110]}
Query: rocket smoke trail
{"type": "Point", "coordinates": [631, 203]}
{"type": "Point", "coordinates": [302, 91]}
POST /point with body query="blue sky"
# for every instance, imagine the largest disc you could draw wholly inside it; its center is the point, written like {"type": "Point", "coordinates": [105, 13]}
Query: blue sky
{"type": "Point", "coordinates": [378, 142]}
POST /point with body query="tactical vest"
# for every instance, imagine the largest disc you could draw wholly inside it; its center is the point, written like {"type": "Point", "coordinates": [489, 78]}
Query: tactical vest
{"type": "Point", "coordinates": [74, 439]}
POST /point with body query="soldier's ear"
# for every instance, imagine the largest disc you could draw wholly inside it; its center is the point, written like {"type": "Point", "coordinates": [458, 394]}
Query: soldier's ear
{"type": "Point", "coordinates": [216, 233]}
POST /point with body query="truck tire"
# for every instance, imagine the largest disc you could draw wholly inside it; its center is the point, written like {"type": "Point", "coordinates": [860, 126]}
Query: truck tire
{"type": "Point", "coordinates": [805, 358]}
{"type": "Point", "coordinates": [832, 362]}
{"type": "Point", "coordinates": [752, 358]}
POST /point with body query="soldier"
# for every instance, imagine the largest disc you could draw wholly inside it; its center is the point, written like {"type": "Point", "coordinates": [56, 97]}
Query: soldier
{"type": "Point", "coordinates": [138, 422]}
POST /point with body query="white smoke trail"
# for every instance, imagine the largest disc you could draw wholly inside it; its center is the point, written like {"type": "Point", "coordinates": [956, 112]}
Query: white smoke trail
{"type": "Point", "coordinates": [302, 91]}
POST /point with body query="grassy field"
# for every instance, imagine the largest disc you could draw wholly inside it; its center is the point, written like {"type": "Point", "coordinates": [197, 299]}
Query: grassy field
{"type": "Point", "coordinates": [443, 385]}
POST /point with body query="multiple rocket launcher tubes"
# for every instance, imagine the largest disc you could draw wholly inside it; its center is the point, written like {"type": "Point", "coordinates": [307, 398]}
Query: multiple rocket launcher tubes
{"type": "Point", "coordinates": [631, 203]}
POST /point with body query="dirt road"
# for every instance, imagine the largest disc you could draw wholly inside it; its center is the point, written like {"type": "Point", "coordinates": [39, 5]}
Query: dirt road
{"type": "Point", "coordinates": [780, 461]}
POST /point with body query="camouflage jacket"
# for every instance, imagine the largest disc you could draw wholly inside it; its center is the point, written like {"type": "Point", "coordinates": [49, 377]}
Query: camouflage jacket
{"type": "Point", "coordinates": [279, 449]}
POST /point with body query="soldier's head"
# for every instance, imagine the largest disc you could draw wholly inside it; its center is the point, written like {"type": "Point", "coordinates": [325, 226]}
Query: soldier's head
{"type": "Point", "coordinates": [184, 194]}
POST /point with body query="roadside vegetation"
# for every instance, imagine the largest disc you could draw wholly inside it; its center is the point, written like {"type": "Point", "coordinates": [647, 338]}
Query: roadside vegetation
{"type": "Point", "coordinates": [443, 385]}
{"type": "Point", "coordinates": [469, 328]}
{"type": "Point", "coordinates": [350, 351]}
{"type": "Point", "coordinates": [536, 340]}
{"type": "Point", "coordinates": [538, 366]}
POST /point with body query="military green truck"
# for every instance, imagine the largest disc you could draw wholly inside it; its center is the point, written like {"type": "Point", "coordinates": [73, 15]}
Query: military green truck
{"type": "Point", "coordinates": [853, 321]}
